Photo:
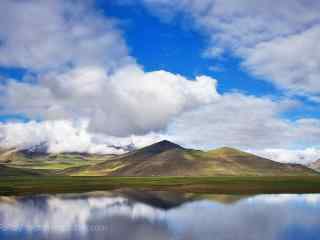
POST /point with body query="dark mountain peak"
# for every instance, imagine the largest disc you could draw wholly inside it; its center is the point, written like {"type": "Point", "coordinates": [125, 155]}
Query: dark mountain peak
{"type": "Point", "coordinates": [167, 144]}
{"type": "Point", "coordinates": [161, 146]}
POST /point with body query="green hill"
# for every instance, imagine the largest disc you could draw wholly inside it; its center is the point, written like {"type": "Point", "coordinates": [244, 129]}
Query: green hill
{"type": "Point", "coordinates": [169, 159]}
{"type": "Point", "coordinates": [25, 159]}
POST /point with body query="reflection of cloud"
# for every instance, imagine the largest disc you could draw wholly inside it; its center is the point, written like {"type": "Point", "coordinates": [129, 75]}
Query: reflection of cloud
{"type": "Point", "coordinates": [61, 215]}
{"type": "Point", "coordinates": [286, 198]}
{"type": "Point", "coordinates": [312, 198]}
{"type": "Point", "coordinates": [112, 217]}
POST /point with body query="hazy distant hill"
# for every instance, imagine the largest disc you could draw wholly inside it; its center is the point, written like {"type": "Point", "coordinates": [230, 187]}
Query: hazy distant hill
{"type": "Point", "coordinates": [37, 158]}
{"type": "Point", "coordinates": [315, 165]}
{"type": "Point", "coordinates": [169, 159]}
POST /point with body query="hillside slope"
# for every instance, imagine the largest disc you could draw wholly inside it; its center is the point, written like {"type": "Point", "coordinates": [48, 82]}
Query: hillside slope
{"type": "Point", "coordinates": [15, 172]}
{"type": "Point", "coordinates": [169, 159]}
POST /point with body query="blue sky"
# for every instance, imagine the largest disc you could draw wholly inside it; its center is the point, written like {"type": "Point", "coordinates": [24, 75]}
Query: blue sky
{"type": "Point", "coordinates": [177, 48]}
{"type": "Point", "coordinates": [146, 70]}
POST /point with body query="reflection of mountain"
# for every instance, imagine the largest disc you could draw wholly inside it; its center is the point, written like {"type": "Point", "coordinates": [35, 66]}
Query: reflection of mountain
{"type": "Point", "coordinates": [163, 200]}
{"type": "Point", "coordinates": [157, 199]}
{"type": "Point", "coordinates": [224, 198]}
{"type": "Point", "coordinates": [168, 200]}
{"type": "Point", "coordinates": [112, 216]}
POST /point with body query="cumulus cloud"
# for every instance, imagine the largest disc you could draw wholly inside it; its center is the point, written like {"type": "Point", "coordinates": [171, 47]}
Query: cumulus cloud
{"type": "Point", "coordinates": [42, 35]}
{"type": "Point", "coordinates": [272, 41]}
{"type": "Point", "coordinates": [141, 102]}
{"type": "Point", "coordinates": [291, 62]}
{"type": "Point", "coordinates": [304, 156]}
{"type": "Point", "coordinates": [130, 101]}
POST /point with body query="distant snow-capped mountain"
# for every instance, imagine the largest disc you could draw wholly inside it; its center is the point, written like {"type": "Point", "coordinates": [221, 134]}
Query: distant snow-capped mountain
{"type": "Point", "coordinates": [315, 165]}
{"type": "Point", "coordinates": [39, 149]}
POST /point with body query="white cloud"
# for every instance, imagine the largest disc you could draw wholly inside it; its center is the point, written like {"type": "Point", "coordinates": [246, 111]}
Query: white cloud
{"type": "Point", "coordinates": [128, 102]}
{"type": "Point", "coordinates": [276, 39]}
{"type": "Point", "coordinates": [291, 62]}
{"type": "Point", "coordinates": [304, 156]}
{"type": "Point", "coordinates": [59, 135]}
{"type": "Point", "coordinates": [66, 136]}
{"type": "Point", "coordinates": [213, 52]}
{"type": "Point", "coordinates": [46, 34]}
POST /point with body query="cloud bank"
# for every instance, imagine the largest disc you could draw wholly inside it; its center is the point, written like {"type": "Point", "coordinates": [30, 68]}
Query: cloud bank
{"type": "Point", "coordinates": [305, 156]}
{"type": "Point", "coordinates": [66, 136]}
{"type": "Point", "coordinates": [130, 101]}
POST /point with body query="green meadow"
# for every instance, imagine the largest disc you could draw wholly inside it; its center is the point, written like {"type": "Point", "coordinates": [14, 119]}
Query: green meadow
{"type": "Point", "coordinates": [27, 185]}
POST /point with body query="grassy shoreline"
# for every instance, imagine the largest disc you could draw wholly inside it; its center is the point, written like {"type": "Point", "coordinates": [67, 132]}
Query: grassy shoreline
{"type": "Point", "coordinates": [215, 185]}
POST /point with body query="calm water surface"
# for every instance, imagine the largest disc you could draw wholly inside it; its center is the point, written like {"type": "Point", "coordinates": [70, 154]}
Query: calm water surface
{"type": "Point", "coordinates": [153, 216]}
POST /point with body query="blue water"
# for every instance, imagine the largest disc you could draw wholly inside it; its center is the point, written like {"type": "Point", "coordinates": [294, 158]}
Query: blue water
{"type": "Point", "coordinates": [120, 216]}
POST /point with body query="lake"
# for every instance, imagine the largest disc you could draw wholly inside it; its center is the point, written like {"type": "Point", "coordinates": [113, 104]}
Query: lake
{"type": "Point", "coordinates": [135, 215]}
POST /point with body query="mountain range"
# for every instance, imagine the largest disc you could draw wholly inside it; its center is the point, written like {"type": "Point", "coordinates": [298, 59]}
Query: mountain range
{"type": "Point", "coordinates": [160, 159]}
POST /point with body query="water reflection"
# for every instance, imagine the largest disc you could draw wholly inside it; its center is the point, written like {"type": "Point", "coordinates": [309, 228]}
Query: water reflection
{"type": "Point", "coordinates": [145, 216]}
